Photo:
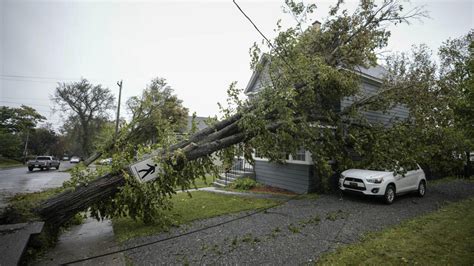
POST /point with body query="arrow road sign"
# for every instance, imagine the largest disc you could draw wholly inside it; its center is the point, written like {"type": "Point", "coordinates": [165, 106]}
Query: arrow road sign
{"type": "Point", "coordinates": [145, 170]}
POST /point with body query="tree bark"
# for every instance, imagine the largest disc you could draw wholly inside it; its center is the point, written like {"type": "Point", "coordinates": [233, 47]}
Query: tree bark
{"type": "Point", "coordinates": [58, 210]}
{"type": "Point", "coordinates": [61, 208]}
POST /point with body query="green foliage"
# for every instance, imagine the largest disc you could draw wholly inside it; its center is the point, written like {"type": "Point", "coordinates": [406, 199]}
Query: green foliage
{"type": "Point", "coordinates": [309, 71]}
{"type": "Point", "coordinates": [10, 145]}
{"type": "Point", "coordinates": [440, 238]}
{"type": "Point", "coordinates": [244, 183]}
{"type": "Point", "coordinates": [21, 206]}
{"type": "Point", "coordinates": [15, 120]}
{"type": "Point", "coordinates": [158, 119]}
{"type": "Point", "coordinates": [5, 162]}
{"type": "Point", "coordinates": [200, 205]}
{"type": "Point", "coordinates": [306, 77]}
{"type": "Point", "coordinates": [156, 109]}
{"type": "Point", "coordinates": [43, 140]}
{"type": "Point", "coordinates": [15, 123]}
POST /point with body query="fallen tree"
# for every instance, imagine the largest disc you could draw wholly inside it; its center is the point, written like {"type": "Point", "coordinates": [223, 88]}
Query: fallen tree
{"type": "Point", "coordinates": [284, 117]}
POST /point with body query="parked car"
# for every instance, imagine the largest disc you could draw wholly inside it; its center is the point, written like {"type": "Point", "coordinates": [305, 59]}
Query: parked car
{"type": "Point", "coordinates": [106, 161]}
{"type": "Point", "coordinates": [65, 158]}
{"type": "Point", "coordinates": [43, 162]}
{"type": "Point", "coordinates": [385, 184]}
{"type": "Point", "coordinates": [75, 159]}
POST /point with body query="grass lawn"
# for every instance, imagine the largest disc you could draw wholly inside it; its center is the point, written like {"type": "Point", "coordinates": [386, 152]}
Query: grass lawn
{"type": "Point", "coordinates": [5, 162]}
{"type": "Point", "coordinates": [202, 182]}
{"type": "Point", "coordinates": [22, 204]}
{"type": "Point", "coordinates": [449, 179]}
{"type": "Point", "coordinates": [185, 209]}
{"type": "Point", "coordinates": [445, 237]}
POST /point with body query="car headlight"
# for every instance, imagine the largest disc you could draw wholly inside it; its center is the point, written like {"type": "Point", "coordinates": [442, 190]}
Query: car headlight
{"type": "Point", "coordinates": [377, 180]}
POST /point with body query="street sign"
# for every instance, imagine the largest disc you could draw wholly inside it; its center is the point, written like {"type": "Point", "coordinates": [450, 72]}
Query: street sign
{"type": "Point", "coordinates": [145, 170]}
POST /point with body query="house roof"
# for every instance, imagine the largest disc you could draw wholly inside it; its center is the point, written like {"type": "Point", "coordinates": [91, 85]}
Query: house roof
{"type": "Point", "coordinates": [256, 74]}
{"type": "Point", "coordinates": [376, 73]}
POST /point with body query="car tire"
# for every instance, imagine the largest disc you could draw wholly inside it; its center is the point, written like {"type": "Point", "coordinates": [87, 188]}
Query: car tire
{"type": "Point", "coordinates": [57, 167]}
{"type": "Point", "coordinates": [390, 194]}
{"type": "Point", "coordinates": [421, 189]}
{"type": "Point", "coordinates": [30, 169]}
{"type": "Point", "coordinates": [41, 168]}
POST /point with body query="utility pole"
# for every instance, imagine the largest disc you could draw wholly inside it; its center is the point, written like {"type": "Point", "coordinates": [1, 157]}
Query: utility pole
{"type": "Point", "coordinates": [25, 152]}
{"type": "Point", "coordinates": [119, 83]}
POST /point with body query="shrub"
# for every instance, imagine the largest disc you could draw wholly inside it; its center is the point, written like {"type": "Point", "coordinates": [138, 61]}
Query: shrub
{"type": "Point", "coordinates": [244, 183]}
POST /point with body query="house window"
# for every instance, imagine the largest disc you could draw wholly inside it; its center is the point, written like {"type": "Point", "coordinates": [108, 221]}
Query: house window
{"type": "Point", "coordinates": [300, 155]}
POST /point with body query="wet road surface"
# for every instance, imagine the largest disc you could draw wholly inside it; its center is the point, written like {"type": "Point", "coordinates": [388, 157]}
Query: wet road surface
{"type": "Point", "coordinates": [20, 180]}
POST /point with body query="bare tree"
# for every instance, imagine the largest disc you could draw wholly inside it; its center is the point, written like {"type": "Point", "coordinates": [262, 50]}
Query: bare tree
{"type": "Point", "coordinates": [85, 102]}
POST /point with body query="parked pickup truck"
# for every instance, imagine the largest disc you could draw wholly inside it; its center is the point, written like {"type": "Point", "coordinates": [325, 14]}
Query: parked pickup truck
{"type": "Point", "coordinates": [43, 162]}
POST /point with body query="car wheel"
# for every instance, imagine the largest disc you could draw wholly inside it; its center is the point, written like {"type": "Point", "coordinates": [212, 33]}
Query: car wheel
{"type": "Point", "coordinates": [41, 168]}
{"type": "Point", "coordinates": [421, 189]}
{"type": "Point", "coordinates": [390, 194]}
{"type": "Point", "coordinates": [57, 167]}
{"type": "Point", "coordinates": [30, 169]}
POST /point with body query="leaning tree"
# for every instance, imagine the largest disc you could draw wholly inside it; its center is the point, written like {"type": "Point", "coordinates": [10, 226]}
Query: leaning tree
{"type": "Point", "coordinates": [308, 69]}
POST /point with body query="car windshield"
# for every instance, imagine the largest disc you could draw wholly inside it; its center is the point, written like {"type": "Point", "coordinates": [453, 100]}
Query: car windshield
{"type": "Point", "coordinates": [384, 169]}
{"type": "Point", "coordinates": [43, 158]}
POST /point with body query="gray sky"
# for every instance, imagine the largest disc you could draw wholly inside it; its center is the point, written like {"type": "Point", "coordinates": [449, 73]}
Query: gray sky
{"type": "Point", "coordinates": [200, 47]}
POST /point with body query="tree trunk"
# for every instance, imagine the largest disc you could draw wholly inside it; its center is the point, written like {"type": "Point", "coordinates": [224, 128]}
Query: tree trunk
{"type": "Point", "coordinates": [61, 208]}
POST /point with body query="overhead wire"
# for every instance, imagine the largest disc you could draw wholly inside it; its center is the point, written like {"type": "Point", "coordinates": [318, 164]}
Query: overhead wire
{"type": "Point", "coordinates": [261, 210]}
{"type": "Point", "coordinates": [36, 77]}
{"type": "Point", "coordinates": [283, 57]}
{"type": "Point", "coordinates": [30, 80]}
{"type": "Point", "coordinates": [25, 103]}
{"type": "Point", "coordinates": [215, 225]}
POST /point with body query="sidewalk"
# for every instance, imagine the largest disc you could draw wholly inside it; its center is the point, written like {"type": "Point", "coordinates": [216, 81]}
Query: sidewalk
{"type": "Point", "coordinates": [88, 239]}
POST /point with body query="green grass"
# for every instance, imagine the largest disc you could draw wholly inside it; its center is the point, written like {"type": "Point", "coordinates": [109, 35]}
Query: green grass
{"type": "Point", "coordinates": [204, 182]}
{"type": "Point", "coordinates": [5, 163]}
{"type": "Point", "coordinates": [449, 179]}
{"type": "Point", "coordinates": [445, 237]}
{"type": "Point", "coordinates": [21, 205]}
{"type": "Point", "coordinates": [201, 182]}
{"type": "Point", "coordinates": [185, 209]}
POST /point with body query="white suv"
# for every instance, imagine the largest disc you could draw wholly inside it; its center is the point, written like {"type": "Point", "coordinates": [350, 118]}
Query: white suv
{"type": "Point", "coordinates": [383, 183]}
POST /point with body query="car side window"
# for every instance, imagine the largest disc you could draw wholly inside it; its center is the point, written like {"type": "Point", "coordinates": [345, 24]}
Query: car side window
{"type": "Point", "coordinates": [411, 167]}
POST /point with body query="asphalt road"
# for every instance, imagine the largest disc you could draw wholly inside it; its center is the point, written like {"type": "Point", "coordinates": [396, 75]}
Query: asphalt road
{"type": "Point", "coordinates": [20, 180]}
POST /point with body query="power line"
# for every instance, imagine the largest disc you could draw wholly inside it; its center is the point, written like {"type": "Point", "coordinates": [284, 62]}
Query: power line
{"type": "Point", "coordinates": [184, 234]}
{"type": "Point", "coordinates": [266, 39]}
{"type": "Point", "coordinates": [34, 99]}
{"type": "Point", "coordinates": [29, 80]}
{"type": "Point", "coordinates": [36, 77]}
{"type": "Point", "coordinates": [25, 103]}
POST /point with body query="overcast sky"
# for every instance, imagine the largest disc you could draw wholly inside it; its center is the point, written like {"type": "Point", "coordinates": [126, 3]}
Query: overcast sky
{"type": "Point", "coordinates": [200, 47]}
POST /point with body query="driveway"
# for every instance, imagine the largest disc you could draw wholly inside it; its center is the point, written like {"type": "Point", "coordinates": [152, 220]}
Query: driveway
{"type": "Point", "coordinates": [296, 232]}
{"type": "Point", "coordinates": [20, 180]}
